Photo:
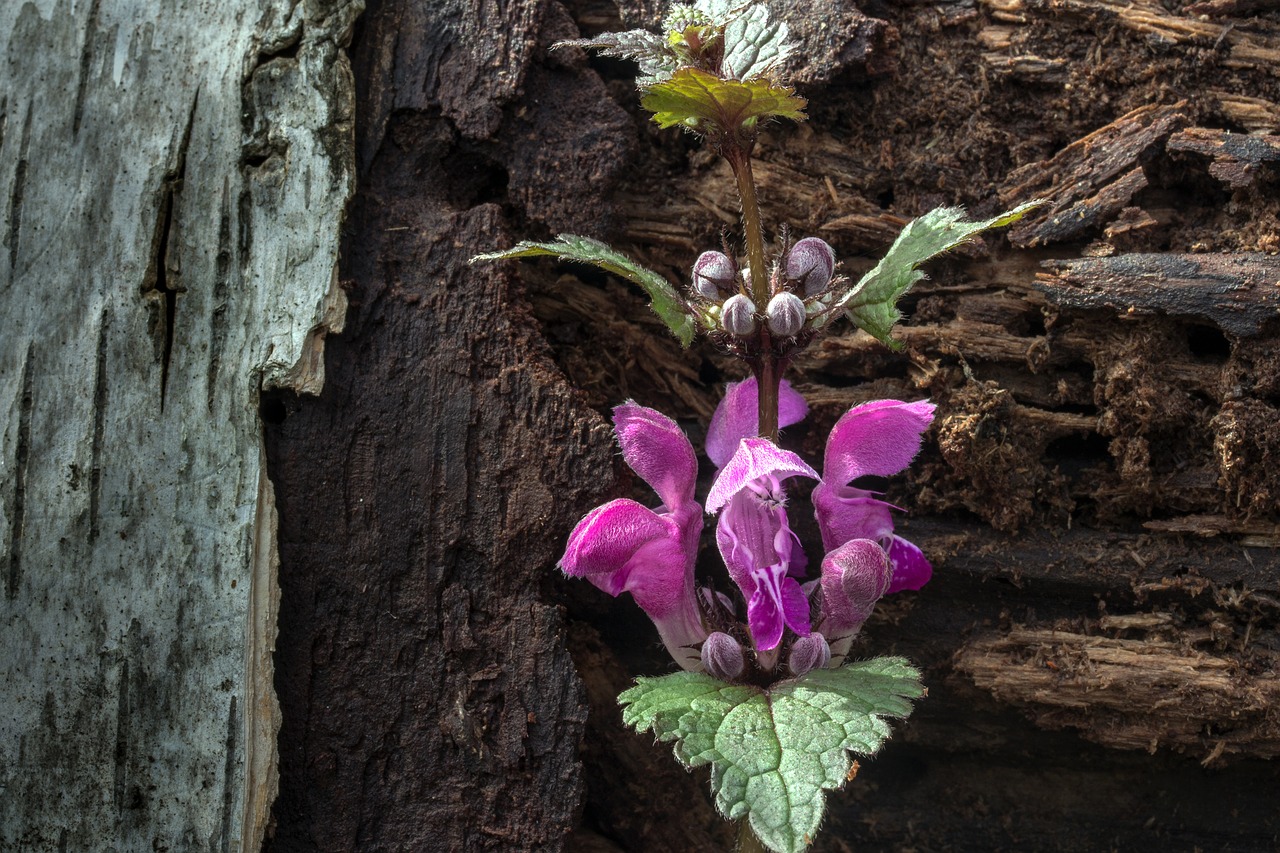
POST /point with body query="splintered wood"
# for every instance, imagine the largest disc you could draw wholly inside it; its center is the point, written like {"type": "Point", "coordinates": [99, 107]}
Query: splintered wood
{"type": "Point", "coordinates": [1092, 179]}
{"type": "Point", "coordinates": [1239, 293]}
{"type": "Point", "coordinates": [1237, 158]}
{"type": "Point", "coordinates": [1147, 693]}
{"type": "Point", "coordinates": [1244, 49]}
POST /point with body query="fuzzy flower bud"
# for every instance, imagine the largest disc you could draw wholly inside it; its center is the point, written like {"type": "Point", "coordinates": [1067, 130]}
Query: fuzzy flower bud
{"type": "Point", "coordinates": [811, 652]}
{"type": "Point", "coordinates": [786, 314]}
{"type": "Point", "coordinates": [722, 656]}
{"type": "Point", "coordinates": [811, 262]}
{"type": "Point", "coordinates": [738, 316]}
{"type": "Point", "coordinates": [713, 275]}
{"type": "Point", "coordinates": [854, 577]}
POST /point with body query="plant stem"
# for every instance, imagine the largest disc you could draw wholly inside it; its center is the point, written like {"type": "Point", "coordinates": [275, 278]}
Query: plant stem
{"type": "Point", "coordinates": [767, 381]}
{"type": "Point", "coordinates": [747, 840]}
{"type": "Point", "coordinates": [768, 371]}
{"type": "Point", "coordinates": [752, 230]}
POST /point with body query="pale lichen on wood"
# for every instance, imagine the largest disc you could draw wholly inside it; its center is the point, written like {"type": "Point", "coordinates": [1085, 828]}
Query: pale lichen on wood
{"type": "Point", "coordinates": [174, 188]}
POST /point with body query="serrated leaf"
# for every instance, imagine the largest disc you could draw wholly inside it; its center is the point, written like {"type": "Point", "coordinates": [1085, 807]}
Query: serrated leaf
{"type": "Point", "coordinates": [871, 303]}
{"type": "Point", "coordinates": [774, 752]}
{"type": "Point", "coordinates": [657, 61]}
{"type": "Point", "coordinates": [697, 99]}
{"type": "Point", "coordinates": [754, 45]}
{"type": "Point", "coordinates": [666, 303]}
{"type": "Point", "coordinates": [718, 11]}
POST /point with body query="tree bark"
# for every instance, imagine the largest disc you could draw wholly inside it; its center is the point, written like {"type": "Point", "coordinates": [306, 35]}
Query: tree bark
{"type": "Point", "coordinates": [173, 187]}
{"type": "Point", "coordinates": [429, 701]}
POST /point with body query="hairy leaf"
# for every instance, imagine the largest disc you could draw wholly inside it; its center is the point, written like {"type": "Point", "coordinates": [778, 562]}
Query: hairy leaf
{"type": "Point", "coordinates": [657, 60]}
{"type": "Point", "coordinates": [774, 752]}
{"type": "Point", "coordinates": [871, 303]}
{"type": "Point", "coordinates": [697, 99]}
{"type": "Point", "coordinates": [667, 304]}
{"type": "Point", "coordinates": [753, 44]}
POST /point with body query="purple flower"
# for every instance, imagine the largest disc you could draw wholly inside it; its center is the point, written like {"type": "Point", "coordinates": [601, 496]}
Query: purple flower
{"type": "Point", "coordinates": [626, 547]}
{"type": "Point", "coordinates": [756, 541]}
{"type": "Point", "coordinates": [879, 439]}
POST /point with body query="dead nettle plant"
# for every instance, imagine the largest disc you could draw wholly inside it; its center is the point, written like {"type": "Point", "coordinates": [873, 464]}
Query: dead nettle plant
{"type": "Point", "coordinates": [771, 701]}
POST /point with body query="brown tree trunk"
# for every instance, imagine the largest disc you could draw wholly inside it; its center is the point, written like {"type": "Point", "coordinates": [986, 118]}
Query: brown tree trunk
{"type": "Point", "coordinates": [1098, 493]}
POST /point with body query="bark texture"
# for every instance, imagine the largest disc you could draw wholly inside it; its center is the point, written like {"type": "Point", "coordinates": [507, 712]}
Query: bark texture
{"type": "Point", "coordinates": [429, 701]}
{"type": "Point", "coordinates": [172, 186]}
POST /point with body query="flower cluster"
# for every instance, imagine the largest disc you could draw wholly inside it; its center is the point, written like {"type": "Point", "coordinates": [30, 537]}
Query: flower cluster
{"type": "Point", "coordinates": [624, 546]}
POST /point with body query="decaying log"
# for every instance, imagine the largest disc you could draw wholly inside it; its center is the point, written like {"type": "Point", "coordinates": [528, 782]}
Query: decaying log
{"type": "Point", "coordinates": [429, 702]}
{"type": "Point", "coordinates": [1091, 180]}
{"type": "Point", "coordinates": [1253, 48]}
{"type": "Point", "coordinates": [1089, 466]}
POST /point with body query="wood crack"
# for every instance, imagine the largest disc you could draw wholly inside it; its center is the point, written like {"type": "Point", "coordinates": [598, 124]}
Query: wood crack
{"type": "Point", "coordinates": [16, 194]}
{"type": "Point", "coordinates": [221, 286]}
{"type": "Point", "coordinates": [13, 575]}
{"type": "Point", "coordinates": [163, 279]}
{"type": "Point", "coordinates": [229, 776]}
{"type": "Point", "coordinates": [99, 423]}
{"type": "Point", "coordinates": [86, 57]}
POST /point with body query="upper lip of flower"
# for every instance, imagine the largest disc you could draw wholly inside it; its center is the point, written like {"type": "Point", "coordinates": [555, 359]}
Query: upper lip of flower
{"type": "Point", "coordinates": [879, 438]}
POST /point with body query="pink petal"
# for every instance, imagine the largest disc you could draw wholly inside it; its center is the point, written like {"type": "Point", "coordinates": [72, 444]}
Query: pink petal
{"type": "Point", "coordinates": [879, 438]}
{"type": "Point", "coordinates": [795, 607]}
{"type": "Point", "coordinates": [776, 601]}
{"type": "Point", "coordinates": [625, 547]}
{"type": "Point", "coordinates": [755, 459]}
{"type": "Point", "coordinates": [738, 417]}
{"type": "Point", "coordinates": [854, 577]}
{"type": "Point", "coordinates": [745, 533]}
{"type": "Point", "coordinates": [846, 513]}
{"type": "Point", "coordinates": [764, 620]}
{"type": "Point", "coordinates": [910, 568]}
{"type": "Point", "coordinates": [658, 450]}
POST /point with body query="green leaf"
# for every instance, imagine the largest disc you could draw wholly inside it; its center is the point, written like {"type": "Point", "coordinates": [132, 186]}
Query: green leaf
{"type": "Point", "coordinates": [753, 44]}
{"type": "Point", "coordinates": [773, 752]}
{"type": "Point", "coordinates": [697, 99]}
{"type": "Point", "coordinates": [666, 303]}
{"type": "Point", "coordinates": [656, 58]}
{"type": "Point", "coordinates": [871, 303]}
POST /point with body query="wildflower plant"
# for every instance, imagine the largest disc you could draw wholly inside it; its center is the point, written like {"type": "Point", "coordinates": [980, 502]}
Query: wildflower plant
{"type": "Point", "coordinates": [766, 695]}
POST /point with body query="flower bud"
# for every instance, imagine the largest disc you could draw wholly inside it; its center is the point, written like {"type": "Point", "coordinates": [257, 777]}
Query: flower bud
{"type": "Point", "coordinates": [738, 316]}
{"type": "Point", "coordinates": [722, 656]}
{"type": "Point", "coordinates": [811, 262]}
{"type": "Point", "coordinates": [854, 576]}
{"type": "Point", "coordinates": [713, 275]}
{"type": "Point", "coordinates": [811, 652]}
{"type": "Point", "coordinates": [786, 314]}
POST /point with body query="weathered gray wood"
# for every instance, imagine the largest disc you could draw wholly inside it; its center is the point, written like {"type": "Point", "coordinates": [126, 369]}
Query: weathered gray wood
{"type": "Point", "coordinates": [172, 186]}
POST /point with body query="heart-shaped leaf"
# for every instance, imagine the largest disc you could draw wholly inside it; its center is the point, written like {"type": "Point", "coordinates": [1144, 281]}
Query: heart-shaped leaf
{"type": "Point", "coordinates": [774, 752]}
